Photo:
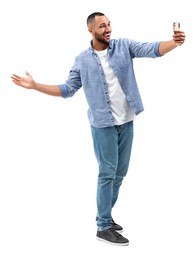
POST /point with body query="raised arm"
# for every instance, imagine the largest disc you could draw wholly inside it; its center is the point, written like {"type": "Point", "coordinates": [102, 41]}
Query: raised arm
{"type": "Point", "coordinates": [166, 46]}
{"type": "Point", "coordinates": [29, 83]}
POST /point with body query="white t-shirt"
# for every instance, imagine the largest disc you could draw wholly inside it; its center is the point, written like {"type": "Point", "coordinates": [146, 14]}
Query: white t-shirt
{"type": "Point", "coordinates": [121, 109]}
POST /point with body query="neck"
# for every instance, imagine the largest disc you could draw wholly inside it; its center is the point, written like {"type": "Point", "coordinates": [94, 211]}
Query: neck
{"type": "Point", "coordinates": [98, 46]}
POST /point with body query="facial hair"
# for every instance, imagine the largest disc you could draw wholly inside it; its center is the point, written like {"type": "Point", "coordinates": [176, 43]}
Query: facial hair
{"type": "Point", "coordinates": [100, 39]}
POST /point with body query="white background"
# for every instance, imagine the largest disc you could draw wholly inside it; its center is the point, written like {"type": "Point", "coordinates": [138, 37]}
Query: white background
{"type": "Point", "coordinates": [48, 171]}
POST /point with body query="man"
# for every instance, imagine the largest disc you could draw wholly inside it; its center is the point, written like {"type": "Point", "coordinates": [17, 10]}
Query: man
{"type": "Point", "coordinates": [105, 70]}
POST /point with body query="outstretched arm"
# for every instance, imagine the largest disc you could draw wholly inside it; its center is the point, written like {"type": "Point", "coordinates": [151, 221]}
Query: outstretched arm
{"type": "Point", "coordinates": [29, 83]}
{"type": "Point", "coordinates": [166, 46]}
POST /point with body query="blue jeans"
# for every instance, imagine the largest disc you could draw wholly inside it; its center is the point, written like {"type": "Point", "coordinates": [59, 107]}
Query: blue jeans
{"type": "Point", "coordinates": [112, 146]}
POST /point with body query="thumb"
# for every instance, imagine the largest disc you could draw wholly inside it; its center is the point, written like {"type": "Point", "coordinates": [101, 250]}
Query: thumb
{"type": "Point", "coordinates": [27, 73]}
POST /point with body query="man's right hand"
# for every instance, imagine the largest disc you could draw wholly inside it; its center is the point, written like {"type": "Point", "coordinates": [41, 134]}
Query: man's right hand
{"type": "Point", "coordinates": [27, 82]}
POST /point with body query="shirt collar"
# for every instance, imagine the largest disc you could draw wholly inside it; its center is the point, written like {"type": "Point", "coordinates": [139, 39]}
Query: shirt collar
{"type": "Point", "coordinates": [91, 45]}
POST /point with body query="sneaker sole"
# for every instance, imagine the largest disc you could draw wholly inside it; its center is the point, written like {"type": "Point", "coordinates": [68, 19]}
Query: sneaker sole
{"type": "Point", "coordinates": [112, 243]}
{"type": "Point", "coordinates": [119, 231]}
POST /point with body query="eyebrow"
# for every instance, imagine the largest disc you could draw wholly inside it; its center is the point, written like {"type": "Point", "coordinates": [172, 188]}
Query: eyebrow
{"type": "Point", "coordinates": [104, 23]}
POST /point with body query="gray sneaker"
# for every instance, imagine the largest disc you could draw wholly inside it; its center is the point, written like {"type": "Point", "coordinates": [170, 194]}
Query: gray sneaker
{"type": "Point", "coordinates": [111, 236]}
{"type": "Point", "coordinates": [117, 227]}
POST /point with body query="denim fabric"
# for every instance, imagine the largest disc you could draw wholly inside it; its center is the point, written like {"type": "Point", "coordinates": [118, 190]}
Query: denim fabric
{"type": "Point", "coordinates": [112, 147]}
{"type": "Point", "coordinates": [88, 72]}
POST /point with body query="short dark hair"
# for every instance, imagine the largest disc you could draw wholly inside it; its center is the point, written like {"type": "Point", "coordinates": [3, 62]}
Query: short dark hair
{"type": "Point", "coordinates": [91, 17]}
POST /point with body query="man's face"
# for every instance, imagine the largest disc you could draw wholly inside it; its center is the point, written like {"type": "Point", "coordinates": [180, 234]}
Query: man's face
{"type": "Point", "coordinates": [101, 29]}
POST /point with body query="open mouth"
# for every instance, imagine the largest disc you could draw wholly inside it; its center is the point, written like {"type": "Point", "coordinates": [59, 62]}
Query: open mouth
{"type": "Point", "coordinates": [107, 35]}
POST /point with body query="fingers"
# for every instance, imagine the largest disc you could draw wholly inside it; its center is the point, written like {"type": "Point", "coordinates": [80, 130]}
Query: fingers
{"type": "Point", "coordinates": [26, 82]}
{"type": "Point", "coordinates": [16, 77]}
{"type": "Point", "coordinates": [178, 34]}
{"type": "Point", "coordinates": [16, 82]}
{"type": "Point", "coordinates": [179, 37]}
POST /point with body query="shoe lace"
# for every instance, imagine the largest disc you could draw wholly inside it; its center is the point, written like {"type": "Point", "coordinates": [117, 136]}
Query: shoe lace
{"type": "Point", "coordinates": [115, 233]}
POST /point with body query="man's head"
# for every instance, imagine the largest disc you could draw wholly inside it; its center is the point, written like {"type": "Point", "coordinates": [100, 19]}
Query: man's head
{"type": "Point", "coordinates": [99, 26]}
{"type": "Point", "coordinates": [91, 18]}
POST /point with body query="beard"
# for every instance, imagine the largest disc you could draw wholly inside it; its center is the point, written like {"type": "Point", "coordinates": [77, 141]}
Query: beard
{"type": "Point", "coordinates": [101, 39]}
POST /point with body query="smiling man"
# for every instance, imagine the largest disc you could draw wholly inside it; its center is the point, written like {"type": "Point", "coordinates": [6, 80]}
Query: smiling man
{"type": "Point", "coordinates": [105, 71]}
{"type": "Point", "coordinates": [99, 27]}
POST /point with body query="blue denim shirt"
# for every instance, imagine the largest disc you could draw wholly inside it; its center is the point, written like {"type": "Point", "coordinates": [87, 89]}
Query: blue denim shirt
{"type": "Point", "coordinates": [88, 72]}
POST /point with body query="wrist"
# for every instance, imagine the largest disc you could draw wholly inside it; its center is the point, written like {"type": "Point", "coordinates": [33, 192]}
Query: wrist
{"type": "Point", "coordinates": [35, 85]}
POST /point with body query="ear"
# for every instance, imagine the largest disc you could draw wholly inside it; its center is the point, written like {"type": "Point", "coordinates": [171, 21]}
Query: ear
{"type": "Point", "coordinates": [90, 30]}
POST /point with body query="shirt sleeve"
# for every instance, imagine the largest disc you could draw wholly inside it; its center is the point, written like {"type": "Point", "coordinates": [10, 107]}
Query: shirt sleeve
{"type": "Point", "coordinates": [144, 49]}
{"type": "Point", "coordinates": [72, 84]}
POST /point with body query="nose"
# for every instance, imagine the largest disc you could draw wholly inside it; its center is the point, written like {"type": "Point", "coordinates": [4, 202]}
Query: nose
{"type": "Point", "coordinates": [108, 28]}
